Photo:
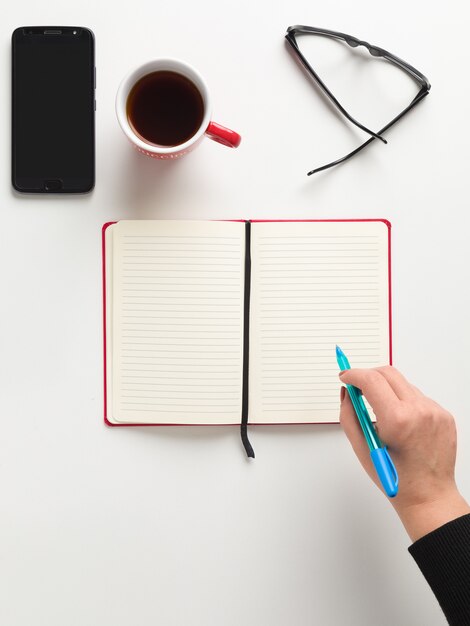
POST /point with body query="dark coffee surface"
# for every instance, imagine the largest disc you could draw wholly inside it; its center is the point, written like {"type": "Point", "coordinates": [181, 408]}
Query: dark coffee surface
{"type": "Point", "coordinates": [165, 108]}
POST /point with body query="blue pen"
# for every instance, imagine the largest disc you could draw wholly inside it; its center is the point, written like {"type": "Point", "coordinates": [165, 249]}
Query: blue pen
{"type": "Point", "coordinates": [378, 452]}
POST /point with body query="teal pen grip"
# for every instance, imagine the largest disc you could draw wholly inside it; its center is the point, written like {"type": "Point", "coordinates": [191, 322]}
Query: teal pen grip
{"type": "Point", "coordinates": [385, 470]}
{"type": "Point", "coordinates": [363, 417]}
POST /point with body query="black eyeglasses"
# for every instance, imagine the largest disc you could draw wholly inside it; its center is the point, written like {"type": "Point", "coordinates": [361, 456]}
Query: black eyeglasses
{"type": "Point", "coordinates": [375, 51]}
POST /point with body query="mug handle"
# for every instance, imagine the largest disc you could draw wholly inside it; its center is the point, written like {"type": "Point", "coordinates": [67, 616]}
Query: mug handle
{"type": "Point", "coordinates": [223, 135]}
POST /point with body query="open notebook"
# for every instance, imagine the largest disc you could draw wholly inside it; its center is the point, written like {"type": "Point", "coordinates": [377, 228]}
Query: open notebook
{"type": "Point", "coordinates": [211, 322]}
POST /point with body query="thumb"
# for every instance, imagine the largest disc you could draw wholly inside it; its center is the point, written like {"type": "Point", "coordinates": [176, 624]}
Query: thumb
{"type": "Point", "coordinates": [375, 388]}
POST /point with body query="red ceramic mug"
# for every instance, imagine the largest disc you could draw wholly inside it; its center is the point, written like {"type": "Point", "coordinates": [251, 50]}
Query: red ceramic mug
{"type": "Point", "coordinates": [207, 127]}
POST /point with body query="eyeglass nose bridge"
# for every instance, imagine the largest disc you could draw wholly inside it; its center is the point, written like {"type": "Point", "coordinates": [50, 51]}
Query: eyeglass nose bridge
{"type": "Point", "coordinates": [373, 50]}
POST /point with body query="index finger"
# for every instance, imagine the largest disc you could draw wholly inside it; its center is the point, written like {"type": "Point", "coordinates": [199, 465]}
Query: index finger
{"type": "Point", "coordinates": [375, 388]}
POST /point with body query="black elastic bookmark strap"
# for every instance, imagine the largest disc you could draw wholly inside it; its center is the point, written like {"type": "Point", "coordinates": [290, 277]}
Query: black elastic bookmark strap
{"type": "Point", "coordinates": [246, 343]}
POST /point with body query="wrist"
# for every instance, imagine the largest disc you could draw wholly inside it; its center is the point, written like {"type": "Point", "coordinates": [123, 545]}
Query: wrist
{"type": "Point", "coordinates": [421, 518]}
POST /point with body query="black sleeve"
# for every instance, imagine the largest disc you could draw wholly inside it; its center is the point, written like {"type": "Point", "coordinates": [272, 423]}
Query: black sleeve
{"type": "Point", "coordinates": [443, 556]}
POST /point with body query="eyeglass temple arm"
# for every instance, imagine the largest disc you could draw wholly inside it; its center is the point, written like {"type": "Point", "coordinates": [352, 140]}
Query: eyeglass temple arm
{"type": "Point", "coordinates": [328, 93]}
{"type": "Point", "coordinates": [420, 95]}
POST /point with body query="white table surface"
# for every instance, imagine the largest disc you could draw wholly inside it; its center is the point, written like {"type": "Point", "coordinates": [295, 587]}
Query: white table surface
{"type": "Point", "coordinates": [173, 526]}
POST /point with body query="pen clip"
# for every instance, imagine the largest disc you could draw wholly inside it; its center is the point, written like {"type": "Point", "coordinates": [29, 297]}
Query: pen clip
{"type": "Point", "coordinates": [385, 470]}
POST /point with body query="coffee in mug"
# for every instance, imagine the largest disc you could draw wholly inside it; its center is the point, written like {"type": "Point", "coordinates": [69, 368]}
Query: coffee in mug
{"type": "Point", "coordinates": [164, 109]}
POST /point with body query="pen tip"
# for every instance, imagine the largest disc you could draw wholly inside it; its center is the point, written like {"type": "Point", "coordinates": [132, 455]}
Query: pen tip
{"type": "Point", "coordinates": [339, 352]}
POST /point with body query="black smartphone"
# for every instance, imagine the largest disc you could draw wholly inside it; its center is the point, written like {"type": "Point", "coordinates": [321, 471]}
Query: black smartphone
{"type": "Point", "coordinates": [53, 109]}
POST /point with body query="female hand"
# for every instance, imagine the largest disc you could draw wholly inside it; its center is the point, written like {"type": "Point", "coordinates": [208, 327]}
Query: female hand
{"type": "Point", "coordinates": [421, 438]}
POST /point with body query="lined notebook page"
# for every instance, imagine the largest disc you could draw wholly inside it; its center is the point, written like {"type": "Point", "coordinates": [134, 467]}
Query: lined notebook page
{"type": "Point", "coordinates": [314, 285]}
{"type": "Point", "coordinates": [177, 322]}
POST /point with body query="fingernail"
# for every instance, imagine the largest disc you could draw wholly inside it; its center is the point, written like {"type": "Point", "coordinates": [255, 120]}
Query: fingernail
{"type": "Point", "coordinates": [342, 393]}
{"type": "Point", "coordinates": [341, 373]}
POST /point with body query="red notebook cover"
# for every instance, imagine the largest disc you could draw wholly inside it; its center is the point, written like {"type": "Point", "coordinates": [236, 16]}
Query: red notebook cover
{"type": "Point", "coordinates": [103, 248]}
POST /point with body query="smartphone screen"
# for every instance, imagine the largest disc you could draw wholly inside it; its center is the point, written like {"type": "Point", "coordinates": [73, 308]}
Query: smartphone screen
{"type": "Point", "coordinates": [53, 109]}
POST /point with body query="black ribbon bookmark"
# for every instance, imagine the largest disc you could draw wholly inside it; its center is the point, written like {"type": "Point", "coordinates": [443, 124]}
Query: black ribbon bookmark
{"type": "Point", "coordinates": [246, 343]}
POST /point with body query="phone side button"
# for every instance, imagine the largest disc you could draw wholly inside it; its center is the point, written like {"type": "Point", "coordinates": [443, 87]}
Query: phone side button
{"type": "Point", "coordinates": [95, 105]}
